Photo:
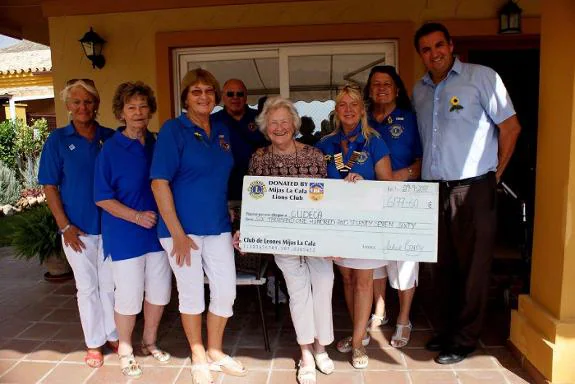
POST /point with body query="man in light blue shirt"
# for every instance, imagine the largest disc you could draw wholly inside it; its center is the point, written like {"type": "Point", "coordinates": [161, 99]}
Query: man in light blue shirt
{"type": "Point", "coordinates": [468, 131]}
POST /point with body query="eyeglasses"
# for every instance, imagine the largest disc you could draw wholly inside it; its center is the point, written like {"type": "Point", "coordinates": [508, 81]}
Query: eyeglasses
{"type": "Point", "coordinates": [236, 94]}
{"type": "Point", "coordinates": [74, 81]}
{"type": "Point", "coordinates": [196, 92]}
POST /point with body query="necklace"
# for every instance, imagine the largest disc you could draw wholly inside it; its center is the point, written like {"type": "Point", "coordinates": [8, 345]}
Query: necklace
{"type": "Point", "coordinates": [133, 137]}
{"type": "Point", "coordinates": [280, 167]}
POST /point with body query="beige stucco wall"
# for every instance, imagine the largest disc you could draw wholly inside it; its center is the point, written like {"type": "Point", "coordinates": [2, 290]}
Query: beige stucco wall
{"type": "Point", "coordinates": [130, 52]}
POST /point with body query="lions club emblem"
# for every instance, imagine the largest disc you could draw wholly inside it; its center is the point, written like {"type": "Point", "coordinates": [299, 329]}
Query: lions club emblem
{"type": "Point", "coordinates": [257, 189]}
{"type": "Point", "coordinates": [396, 131]}
{"type": "Point", "coordinates": [362, 157]}
{"type": "Point", "coordinates": [315, 191]}
{"type": "Point", "coordinates": [252, 126]}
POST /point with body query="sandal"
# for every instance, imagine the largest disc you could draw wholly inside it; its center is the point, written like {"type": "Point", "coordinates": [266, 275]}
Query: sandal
{"type": "Point", "coordinates": [229, 366]}
{"type": "Point", "coordinates": [157, 353]}
{"type": "Point", "coordinates": [94, 358]}
{"type": "Point", "coordinates": [323, 363]}
{"type": "Point", "coordinates": [359, 358]}
{"type": "Point", "coordinates": [129, 366]}
{"type": "Point", "coordinates": [305, 374]}
{"type": "Point", "coordinates": [344, 345]}
{"type": "Point", "coordinates": [376, 321]}
{"type": "Point", "coordinates": [398, 340]}
{"type": "Point", "coordinates": [201, 374]}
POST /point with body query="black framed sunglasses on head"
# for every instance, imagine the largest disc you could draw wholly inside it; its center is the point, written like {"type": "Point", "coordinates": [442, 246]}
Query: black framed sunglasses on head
{"type": "Point", "coordinates": [236, 94]}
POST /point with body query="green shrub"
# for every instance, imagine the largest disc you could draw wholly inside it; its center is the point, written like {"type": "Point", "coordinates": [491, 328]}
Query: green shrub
{"type": "Point", "coordinates": [35, 234]}
{"type": "Point", "coordinates": [8, 144]}
{"type": "Point", "coordinates": [9, 186]}
{"type": "Point", "coordinates": [30, 140]}
{"type": "Point", "coordinates": [29, 173]}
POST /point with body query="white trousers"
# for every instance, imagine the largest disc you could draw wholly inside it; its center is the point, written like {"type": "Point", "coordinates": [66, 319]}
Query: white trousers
{"type": "Point", "coordinates": [149, 273]}
{"type": "Point", "coordinates": [95, 285]}
{"type": "Point", "coordinates": [309, 283]}
{"type": "Point", "coordinates": [214, 258]}
{"type": "Point", "coordinates": [402, 275]}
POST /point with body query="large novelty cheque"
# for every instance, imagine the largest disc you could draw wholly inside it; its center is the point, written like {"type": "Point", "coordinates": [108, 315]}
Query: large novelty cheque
{"type": "Point", "coordinates": [319, 217]}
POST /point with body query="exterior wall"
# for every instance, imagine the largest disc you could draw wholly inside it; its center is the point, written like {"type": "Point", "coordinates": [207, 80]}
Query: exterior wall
{"type": "Point", "coordinates": [131, 54]}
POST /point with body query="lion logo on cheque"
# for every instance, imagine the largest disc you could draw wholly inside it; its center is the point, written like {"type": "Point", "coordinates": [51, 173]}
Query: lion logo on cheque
{"type": "Point", "coordinates": [315, 191]}
{"type": "Point", "coordinates": [257, 189]}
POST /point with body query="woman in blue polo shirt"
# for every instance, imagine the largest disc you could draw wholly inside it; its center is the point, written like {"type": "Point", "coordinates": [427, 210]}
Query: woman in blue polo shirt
{"type": "Point", "coordinates": [67, 174]}
{"type": "Point", "coordinates": [390, 113]}
{"type": "Point", "coordinates": [355, 151]}
{"type": "Point", "coordinates": [122, 190]}
{"type": "Point", "coordinates": [190, 170]}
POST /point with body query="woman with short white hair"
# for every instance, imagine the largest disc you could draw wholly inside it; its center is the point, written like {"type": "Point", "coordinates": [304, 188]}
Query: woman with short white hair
{"type": "Point", "coordinates": [309, 280]}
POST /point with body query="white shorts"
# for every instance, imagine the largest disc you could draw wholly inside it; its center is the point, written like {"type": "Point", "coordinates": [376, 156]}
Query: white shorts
{"type": "Point", "coordinates": [149, 273]}
{"type": "Point", "coordinates": [360, 263]}
{"type": "Point", "coordinates": [402, 274]}
{"type": "Point", "coordinates": [215, 258]}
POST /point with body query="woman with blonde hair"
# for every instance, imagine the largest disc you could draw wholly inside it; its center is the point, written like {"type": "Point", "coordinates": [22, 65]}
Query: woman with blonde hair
{"type": "Point", "coordinates": [355, 151]}
{"type": "Point", "coordinates": [67, 174]}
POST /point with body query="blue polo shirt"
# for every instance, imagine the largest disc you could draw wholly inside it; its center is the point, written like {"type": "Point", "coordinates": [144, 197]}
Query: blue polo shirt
{"type": "Point", "coordinates": [373, 151]}
{"type": "Point", "coordinates": [245, 138]}
{"type": "Point", "coordinates": [123, 174]}
{"type": "Point", "coordinates": [399, 131]}
{"type": "Point", "coordinates": [67, 162]}
{"type": "Point", "coordinates": [457, 120]}
{"type": "Point", "coordinates": [198, 168]}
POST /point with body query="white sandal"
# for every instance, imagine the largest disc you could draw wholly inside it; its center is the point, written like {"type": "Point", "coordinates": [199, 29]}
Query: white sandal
{"type": "Point", "coordinates": [398, 340]}
{"type": "Point", "coordinates": [305, 374]}
{"type": "Point", "coordinates": [201, 374]}
{"type": "Point", "coordinates": [344, 345]}
{"type": "Point", "coordinates": [381, 320]}
{"type": "Point", "coordinates": [323, 363]}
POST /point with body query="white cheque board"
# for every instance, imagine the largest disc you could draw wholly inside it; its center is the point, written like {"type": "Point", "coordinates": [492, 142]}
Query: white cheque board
{"type": "Point", "coordinates": [319, 217]}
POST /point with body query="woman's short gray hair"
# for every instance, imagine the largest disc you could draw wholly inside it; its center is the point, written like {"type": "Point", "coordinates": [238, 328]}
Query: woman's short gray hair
{"type": "Point", "coordinates": [86, 84]}
{"type": "Point", "coordinates": [273, 104]}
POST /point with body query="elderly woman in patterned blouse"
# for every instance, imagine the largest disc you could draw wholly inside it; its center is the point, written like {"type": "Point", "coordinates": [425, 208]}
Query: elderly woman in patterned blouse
{"type": "Point", "coordinates": [309, 280]}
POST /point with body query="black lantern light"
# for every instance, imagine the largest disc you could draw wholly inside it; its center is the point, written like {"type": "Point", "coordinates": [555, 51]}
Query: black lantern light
{"type": "Point", "coordinates": [510, 18]}
{"type": "Point", "coordinates": [92, 45]}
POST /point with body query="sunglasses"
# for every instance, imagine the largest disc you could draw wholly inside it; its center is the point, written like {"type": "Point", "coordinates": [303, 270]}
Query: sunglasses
{"type": "Point", "coordinates": [236, 94]}
{"type": "Point", "coordinates": [196, 92]}
{"type": "Point", "coordinates": [355, 87]}
{"type": "Point", "coordinates": [74, 81]}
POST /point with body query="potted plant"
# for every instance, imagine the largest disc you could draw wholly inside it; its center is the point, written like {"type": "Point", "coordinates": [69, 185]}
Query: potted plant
{"type": "Point", "coordinates": [35, 235]}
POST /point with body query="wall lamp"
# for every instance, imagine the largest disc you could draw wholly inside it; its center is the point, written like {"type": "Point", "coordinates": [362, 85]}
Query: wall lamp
{"type": "Point", "coordinates": [92, 45]}
{"type": "Point", "coordinates": [510, 18]}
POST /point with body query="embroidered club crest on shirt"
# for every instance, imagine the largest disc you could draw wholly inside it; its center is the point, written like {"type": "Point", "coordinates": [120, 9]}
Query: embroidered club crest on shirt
{"type": "Point", "coordinates": [363, 156]}
{"type": "Point", "coordinates": [71, 147]}
{"type": "Point", "coordinates": [396, 130]}
{"type": "Point", "coordinates": [252, 126]}
{"type": "Point", "coordinates": [455, 106]}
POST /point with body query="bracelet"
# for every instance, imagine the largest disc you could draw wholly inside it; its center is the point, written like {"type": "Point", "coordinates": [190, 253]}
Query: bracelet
{"type": "Point", "coordinates": [138, 215]}
{"type": "Point", "coordinates": [66, 227]}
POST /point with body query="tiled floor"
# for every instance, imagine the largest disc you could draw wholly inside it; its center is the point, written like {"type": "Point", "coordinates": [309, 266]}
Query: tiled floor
{"type": "Point", "coordinates": [41, 342]}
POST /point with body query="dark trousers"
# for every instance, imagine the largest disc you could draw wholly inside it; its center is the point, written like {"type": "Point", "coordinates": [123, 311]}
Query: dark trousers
{"type": "Point", "coordinates": [467, 225]}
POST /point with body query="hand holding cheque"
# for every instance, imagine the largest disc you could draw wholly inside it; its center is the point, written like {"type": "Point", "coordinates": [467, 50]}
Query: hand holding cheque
{"type": "Point", "coordinates": [323, 217]}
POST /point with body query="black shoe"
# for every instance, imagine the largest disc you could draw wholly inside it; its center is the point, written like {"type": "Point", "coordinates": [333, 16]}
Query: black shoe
{"type": "Point", "coordinates": [436, 343]}
{"type": "Point", "coordinates": [453, 355]}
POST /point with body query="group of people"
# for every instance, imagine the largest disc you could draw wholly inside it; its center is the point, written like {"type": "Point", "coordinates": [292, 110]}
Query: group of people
{"type": "Point", "coordinates": [133, 209]}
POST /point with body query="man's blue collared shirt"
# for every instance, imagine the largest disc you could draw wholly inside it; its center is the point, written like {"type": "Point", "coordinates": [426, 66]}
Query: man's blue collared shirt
{"type": "Point", "coordinates": [123, 173]}
{"type": "Point", "coordinates": [67, 162]}
{"type": "Point", "coordinates": [399, 131]}
{"type": "Point", "coordinates": [198, 168]}
{"type": "Point", "coordinates": [373, 151]}
{"type": "Point", "coordinates": [245, 138]}
{"type": "Point", "coordinates": [457, 121]}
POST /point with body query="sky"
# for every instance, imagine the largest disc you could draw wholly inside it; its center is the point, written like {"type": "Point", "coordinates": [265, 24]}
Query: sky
{"type": "Point", "coordinates": [6, 41]}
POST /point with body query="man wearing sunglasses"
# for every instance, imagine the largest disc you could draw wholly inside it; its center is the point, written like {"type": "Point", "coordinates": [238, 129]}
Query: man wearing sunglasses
{"type": "Point", "coordinates": [245, 138]}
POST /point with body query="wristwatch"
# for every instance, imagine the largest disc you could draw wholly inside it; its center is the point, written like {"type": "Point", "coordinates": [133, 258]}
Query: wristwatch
{"type": "Point", "coordinates": [66, 227]}
{"type": "Point", "coordinates": [410, 172]}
